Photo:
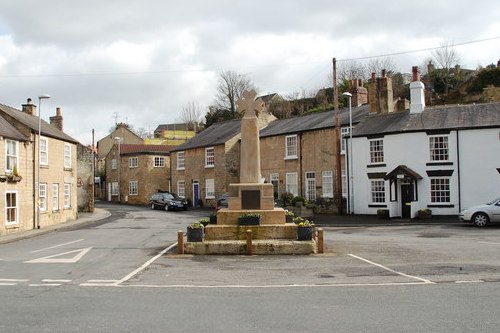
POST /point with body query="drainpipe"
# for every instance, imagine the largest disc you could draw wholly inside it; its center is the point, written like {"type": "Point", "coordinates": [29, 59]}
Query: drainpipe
{"type": "Point", "coordinates": [300, 167]}
{"type": "Point", "coordinates": [33, 160]}
{"type": "Point", "coordinates": [458, 173]}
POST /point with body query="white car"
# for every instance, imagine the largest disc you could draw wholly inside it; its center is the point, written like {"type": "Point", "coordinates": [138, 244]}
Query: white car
{"type": "Point", "coordinates": [480, 216]}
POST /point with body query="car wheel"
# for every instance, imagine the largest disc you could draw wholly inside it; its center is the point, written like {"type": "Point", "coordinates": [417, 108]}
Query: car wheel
{"type": "Point", "coordinates": [153, 207]}
{"type": "Point", "coordinates": [480, 219]}
{"type": "Point", "coordinates": [167, 208]}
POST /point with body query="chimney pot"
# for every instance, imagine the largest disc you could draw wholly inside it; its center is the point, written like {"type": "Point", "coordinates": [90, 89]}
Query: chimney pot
{"type": "Point", "coordinates": [374, 76]}
{"type": "Point", "coordinates": [383, 73]}
{"type": "Point", "coordinates": [29, 100]}
{"type": "Point", "coordinates": [416, 73]}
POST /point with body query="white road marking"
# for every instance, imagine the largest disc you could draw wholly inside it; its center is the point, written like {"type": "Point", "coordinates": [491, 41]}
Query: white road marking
{"type": "Point", "coordinates": [277, 285]}
{"type": "Point", "coordinates": [45, 285]}
{"type": "Point", "coordinates": [8, 284]}
{"type": "Point", "coordinates": [56, 281]}
{"type": "Point", "coordinates": [14, 280]}
{"type": "Point", "coordinates": [53, 260]}
{"type": "Point", "coordinates": [102, 281]}
{"type": "Point", "coordinates": [470, 281]}
{"type": "Point", "coordinates": [146, 264]}
{"type": "Point", "coordinates": [494, 243]}
{"type": "Point", "coordinates": [55, 246]}
{"type": "Point", "coordinates": [390, 270]}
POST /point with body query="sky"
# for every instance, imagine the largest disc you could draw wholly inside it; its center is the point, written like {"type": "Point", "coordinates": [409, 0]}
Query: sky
{"type": "Point", "coordinates": [141, 62]}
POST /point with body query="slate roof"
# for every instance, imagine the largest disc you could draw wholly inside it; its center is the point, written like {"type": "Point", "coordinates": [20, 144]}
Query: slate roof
{"type": "Point", "coordinates": [433, 118]}
{"type": "Point", "coordinates": [313, 121]}
{"type": "Point", "coordinates": [9, 131]}
{"type": "Point", "coordinates": [217, 134]}
{"type": "Point", "coordinates": [32, 122]}
{"type": "Point", "coordinates": [129, 149]}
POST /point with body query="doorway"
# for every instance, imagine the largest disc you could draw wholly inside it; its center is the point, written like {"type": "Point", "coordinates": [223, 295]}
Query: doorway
{"type": "Point", "coordinates": [406, 199]}
{"type": "Point", "coordinates": [196, 193]}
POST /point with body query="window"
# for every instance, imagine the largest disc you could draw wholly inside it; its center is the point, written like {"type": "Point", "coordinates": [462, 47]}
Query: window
{"type": "Point", "coordinates": [291, 146]}
{"type": "Point", "coordinates": [11, 209]}
{"type": "Point", "coordinates": [378, 191]}
{"type": "Point", "coordinates": [67, 195]}
{"type": "Point", "coordinates": [344, 184]}
{"type": "Point", "coordinates": [114, 188]}
{"type": "Point", "coordinates": [180, 160]}
{"type": "Point", "coordinates": [181, 188]}
{"type": "Point", "coordinates": [133, 187]}
{"type": "Point", "coordinates": [292, 183]}
{"type": "Point", "coordinates": [11, 153]}
{"type": "Point", "coordinates": [67, 155]}
{"type": "Point", "coordinates": [209, 157]}
{"type": "Point", "coordinates": [440, 190]}
{"type": "Point", "coordinates": [327, 184]}
{"type": "Point", "coordinates": [311, 186]}
{"type": "Point", "coordinates": [376, 151]}
{"type": "Point", "coordinates": [113, 164]}
{"type": "Point", "coordinates": [42, 197]}
{"type": "Point", "coordinates": [274, 179]}
{"type": "Point", "coordinates": [55, 197]}
{"type": "Point", "coordinates": [133, 162]}
{"type": "Point", "coordinates": [209, 189]}
{"type": "Point", "coordinates": [159, 161]}
{"type": "Point", "coordinates": [438, 148]}
{"type": "Point", "coordinates": [44, 151]}
{"type": "Point", "coordinates": [344, 132]}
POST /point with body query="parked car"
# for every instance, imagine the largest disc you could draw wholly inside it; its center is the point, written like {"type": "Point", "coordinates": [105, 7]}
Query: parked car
{"type": "Point", "coordinates": [222, 202]}
{"type": "Point", "coordinates": [167, 201]}
{"type": "Point", "coordinates": [482, 215]}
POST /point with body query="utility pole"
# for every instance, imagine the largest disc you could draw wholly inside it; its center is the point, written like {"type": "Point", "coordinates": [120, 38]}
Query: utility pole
{"type": "Point", "coordinates": [338, 164]}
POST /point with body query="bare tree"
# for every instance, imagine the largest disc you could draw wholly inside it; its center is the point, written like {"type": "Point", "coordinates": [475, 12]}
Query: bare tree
{"type": "Point", "coordinates": [446, 57]}
{"type": "Point", "coordinates": [376, 65]}
{"type": "Point", "coordinates": [191, 114]}
{"type": "Point", "coordinates": [230, 88]}
{"type": "Point", "coordinates": [349, 70]}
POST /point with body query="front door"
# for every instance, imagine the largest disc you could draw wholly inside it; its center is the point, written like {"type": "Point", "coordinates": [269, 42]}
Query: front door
{"type": "Point", "coordinates": [196, 193]}
{"type": "Point", "coordinates": [406, 199]}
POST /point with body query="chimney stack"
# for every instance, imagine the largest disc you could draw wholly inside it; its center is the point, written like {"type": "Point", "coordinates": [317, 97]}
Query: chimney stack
{"type": "Point", "coordinates": [380, 96]}
{"type": "Point", "coordinates": [417, 97]}
{"type": "Point", "coordinates": [359, 93]}
{"type": "Point", "coordinates": [29, 108]}
{"type": "Point", "coordinates": [57, 120]}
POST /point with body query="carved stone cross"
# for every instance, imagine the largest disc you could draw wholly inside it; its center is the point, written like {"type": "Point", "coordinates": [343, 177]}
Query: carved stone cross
{"type": "Point", "coordinates": [248, 106]}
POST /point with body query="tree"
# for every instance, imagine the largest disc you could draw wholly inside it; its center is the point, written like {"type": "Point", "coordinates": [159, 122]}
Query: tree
{"type": "Point", "coordinates": [446, 57]}
{"type": "Point", "coordinates": [191, 114]}
{"type": "Point", "coordinates": [376, 65]}
{"type": "Point", "coordinates": [215, 115]}
{"type": "Point", "coordinates": [230, 88]}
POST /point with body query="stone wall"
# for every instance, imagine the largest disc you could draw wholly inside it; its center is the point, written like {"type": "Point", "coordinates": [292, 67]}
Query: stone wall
{"type": "Point", "coordinates": [85, 181]}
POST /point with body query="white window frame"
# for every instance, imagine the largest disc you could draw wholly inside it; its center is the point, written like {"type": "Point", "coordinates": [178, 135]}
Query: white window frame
{"type": "Point", "coordinates": [377, 191]}
{"type": "Point", "coordinates": [55, 197]}
{"type": "Point", "coordinates": [11, 157]}
{"type": "Point", "coordinates": [67, 195]}
{"type": "Point", "coordinates": [209, 188]}
{"type": "Point", "coordinates": [133, 187]}
{"type": "Point", "coordinates": [291, 147]}
{"type": "Point", "coordinates": [159, 161]}
{"type": "Point", "coordinates": [209, 157]}
{"type": "Point", "coordinates": [67, 156]}
{"type": "Point", "coordinates": [181, 160]}
{"type": "Point", "coordinates": [344, 183]}
{"type": "Point", "coordinates": [10, 208]}
{"type": "Point", "coordinates": [440, 191]}
{"type": "Point", "coordinates": [114, 164]}
{"type": "Point", "coordinates": [181, 188]}
{"type": "Point", "coordinates": [44, 151]}
{"type": "Point", "coordinates": [327, 184]}
{"type": "Point", "coordinates": [344, 133]}
{"type": "Point", "coordinates": [274, 179]}
{"type": "Point", "coordinates": [42, 197]}
{"type": "Point", "coordinates": [133, 162]}
{"type": "Point", "coordinates": [292, 183]}
{"type": "Point", "coordinates": [376, 151]}
{"type": "Point", "coordinates": [310, 178]}
{"type": "Point", "coordinates": [114, 189]}
{"type": "Point", "coordinates": [439, 149]}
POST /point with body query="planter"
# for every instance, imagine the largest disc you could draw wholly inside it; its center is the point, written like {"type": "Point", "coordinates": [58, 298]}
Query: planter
{"type": "Point", "coordinates": [213, 219]}
{"type": "Point", "coordinates": [304, 233]}
{"type": "Point", "coordinates": [383, 214]}
{"type": "Point", "coordinates": [424, 214]}
{"type": "Point", "coordinates": [249, 220]}
{"type": "Point", "coordinates": [289, 218]}
{"type": "Point", "coordinates": [194, 234]}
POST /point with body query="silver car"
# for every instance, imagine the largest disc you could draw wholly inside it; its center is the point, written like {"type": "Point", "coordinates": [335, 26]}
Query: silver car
{"type": "Point", "coordinates": [480, 216]}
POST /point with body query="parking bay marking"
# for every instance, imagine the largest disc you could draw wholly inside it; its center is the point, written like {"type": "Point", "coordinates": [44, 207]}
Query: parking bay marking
{"type": "Point", "coordinates": [391, 270]}
{"type": "Point", "coordinates": [53, 247]}
{"type": "Point", "coordinates": [54, 260]}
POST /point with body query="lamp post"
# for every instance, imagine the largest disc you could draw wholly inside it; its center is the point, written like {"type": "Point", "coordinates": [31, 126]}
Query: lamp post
{"type": "Point", "coordinates": [119, 168]}
{"type": "Point", "coordinates": [349, 155]}
{"type": "Point", "coordinates": [39, 158]}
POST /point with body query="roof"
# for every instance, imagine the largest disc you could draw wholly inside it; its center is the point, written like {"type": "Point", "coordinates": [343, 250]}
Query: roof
{"type": "Point", "coordinates": [435, 118]}
{"type": "Point", "coordinates": [267, 98]}
{"type": "Point", "coordinates": [32, 122]}
{"type": "Point", "coordinates": [217, 134]}
{"type": "Point", "coordinates": [313, 121]}
{"type": "Point", "coordinates": [144, 149]}
{"type": "Point", "coordinates": [403, 170]}
{"type": "Point", "coordinates": [175, 127]}
{"type": "Point", "coordinates": [9, 131]}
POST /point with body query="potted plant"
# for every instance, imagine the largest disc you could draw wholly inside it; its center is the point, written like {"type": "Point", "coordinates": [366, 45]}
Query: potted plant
{"type": "Point", "coordinates": [289, 215]}
{"type": "Point", "coordinates": [249, 219]}
{"type": "Point", "coordinates": [304, 228]}
{"type": "Point", "coordinates": [213, 218]}
{"type": "Point", "coordinates": [298, 201]}
{"type": "Point", "coordinates": [383, 214]}
{"type": "Point", "coordinates": [424, 214]}
{"type": "Point", "coordinates": [195, 232]}
{"type": "Point", "coordinates": [205, 221]}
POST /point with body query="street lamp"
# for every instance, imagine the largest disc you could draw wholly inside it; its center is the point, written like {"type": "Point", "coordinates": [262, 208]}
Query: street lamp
{"type": "Point", "coordinates": [39, 156]}
{"type": "Point", "coordinates": [350, 188]}
{"type": "Point", "coordinates": [119, 167]}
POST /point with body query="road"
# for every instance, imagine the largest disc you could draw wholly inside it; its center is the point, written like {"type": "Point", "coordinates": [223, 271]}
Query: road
{"type": "Point", "coordinates": [115, 275]}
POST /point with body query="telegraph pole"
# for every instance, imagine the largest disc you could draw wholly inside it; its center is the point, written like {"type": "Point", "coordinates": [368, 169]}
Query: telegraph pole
{"type": "Point", "coordinates": [338, 164]}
